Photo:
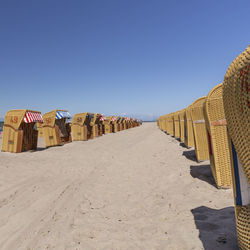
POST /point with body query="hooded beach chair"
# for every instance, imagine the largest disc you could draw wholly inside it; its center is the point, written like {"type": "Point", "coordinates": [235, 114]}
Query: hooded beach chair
{"type": "Point", "coordinates": [171, 124]}
{"type": "Point", "coordinates": [117, 124]}
{"type": "Point", "coordinates": [19, 132]}
{"type": "Point", "coordinates": [159, 122]}
{"type": "Point", "coordinates": [92, 127]}
{"type": "Point", "coordinates": [101, 126]}
{"type": "Point", "coordinates": [188, 128]}
{"type": "Point", "coordinates": [128, 122]}
{"type": "Point", "coordinates": [236, 99]}
{"type": "Point", "coordinates": [56, 129]}
{"type": "Point", "coordinates": [107, 125]}
{"type": "Point", "coordinates": [79, 127]}
{"type": "Point", "coordinates": [182, 125]}
{"type": "Point", "coordinates": [97, 121]}
{"type": "Point", "coordinates": [200, 132]}
{"type": "Point", "coordinates": [164, 123]}
{"type": "Point", "coordinates": [123, 123]}
{"type": "Point", "coordinates": [219, 149]}
{"type": "Point", "coordinates": [176, 125]}
{"type": "Point", "coordinates": [113, 124]}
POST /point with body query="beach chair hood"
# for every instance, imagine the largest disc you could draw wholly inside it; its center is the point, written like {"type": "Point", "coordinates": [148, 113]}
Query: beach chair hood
{"type": "Point", "coordinates": [14, 118]}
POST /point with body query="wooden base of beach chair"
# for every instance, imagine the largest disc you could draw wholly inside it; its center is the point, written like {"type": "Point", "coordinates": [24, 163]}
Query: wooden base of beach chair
{"type": "Point", "coordinates": [79, 132]}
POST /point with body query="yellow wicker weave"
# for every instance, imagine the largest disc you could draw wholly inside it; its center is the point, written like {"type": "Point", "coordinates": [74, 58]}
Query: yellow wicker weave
{"type": "Point", "coordinates": [171, 124]}
{"type": "Point", "coordinates": [176, 125]}
{"type": "Point", "coordinates": [164, 121]}
{"type": "Point", "coordinates": [159, 122]}
{"type": "Point", "coordinates": [182, 125]}
{"type": "Point", "coordinates": [218, 138]}
{"type": "Point", "coordinates": [200, 133]}
{"type": "Point", "coordinates": [236, 98]}
{"type": "Point", "coordinates": [189, 132]}
{"type": "Point", "coordinates": [237, 106]}
{"type": "Point", "coordinates": [243, 226]}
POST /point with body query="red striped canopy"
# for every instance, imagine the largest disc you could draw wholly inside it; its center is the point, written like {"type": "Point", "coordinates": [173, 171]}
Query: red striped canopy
{"type": "Point", "coordinates": [32, 117]}
{"type": "Point", "coordinates": [102, 118]}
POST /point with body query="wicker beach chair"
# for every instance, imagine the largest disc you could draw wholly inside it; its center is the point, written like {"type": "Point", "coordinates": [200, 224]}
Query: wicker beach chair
{"type": "Point", "coordinates": [97, 128]}
{"type": "Point", "coordinates": [164, 123]}
{"type": "Point", "coordinates": [182, 125]}
{"type": "Point", "coordinates": [92, 127]}
{"type": "Point", "coordinates": [236, 99]}
{"type": "Point", "coordinates": [79, 127]}
{"type": "Point", "coordinates": [124, 123]}
{"type": "Point", "coordinates": [114, 123]}
{"type": "Point", "coordinates": [188, 126]}
{"type": "Point", "coordinates": [117, 124]}
{"type": "Point", "coordinates": [128, 122]}
{"type": "Point", "coordinates": [56, 129]}
{"type": "Point", "coordinates": [176, 125]}
{"type": "Point", "coordinates": [19, 133]}
{"type": "Point", "coordinates": [219, 149]}
{"type": "Point", "coordinates": [170, 124]}
{"type": "Point", "coordinates": [101, 125]}
{"type": "Point", "coordinates": [200, 132]}
{"type": "Point", "coordinates": [107, 125]}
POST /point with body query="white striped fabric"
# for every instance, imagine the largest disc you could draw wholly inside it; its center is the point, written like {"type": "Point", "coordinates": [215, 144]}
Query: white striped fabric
{"type": "Point", "coordinates": [62, 114]}
{"type": "Point", "coordinates": [113, 119]}
{"type": "Point", "coordinates": [32, 117]}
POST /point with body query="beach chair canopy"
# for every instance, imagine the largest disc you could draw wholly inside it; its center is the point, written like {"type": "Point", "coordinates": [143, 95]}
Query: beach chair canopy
{"type": "Point", "coordinates": [32, 116]}
{"type": "Point", "coordinates": [63, 114]}
{"type": "Point", "coordinates": [49, 118]}
{"type": "Point", "coordinates": [102, 118]}
{"type": "Point", "coordinates": [90, 115]}
{"type": "Point", "coordinates": [14, 118]}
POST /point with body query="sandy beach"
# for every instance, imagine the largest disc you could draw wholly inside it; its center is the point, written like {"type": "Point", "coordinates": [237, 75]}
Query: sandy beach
{"type": "Point", "coordinates": [136, 189]}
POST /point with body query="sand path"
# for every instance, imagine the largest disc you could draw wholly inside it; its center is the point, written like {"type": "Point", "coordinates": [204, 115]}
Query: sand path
{"type": "Point", "coordinates": [129, 190]}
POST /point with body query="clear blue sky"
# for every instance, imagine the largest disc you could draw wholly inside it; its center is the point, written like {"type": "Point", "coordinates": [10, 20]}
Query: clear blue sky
{"type": "Point", "coordinates": [143, 57]}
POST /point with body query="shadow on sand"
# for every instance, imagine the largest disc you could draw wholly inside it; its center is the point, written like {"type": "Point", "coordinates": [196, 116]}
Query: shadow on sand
{"type": "Point", "coordinates": [38, 149]}
{"type": "Point", "coordinates": [216, 227]}
{"type": "Point", "coordinates": [182, 144]}
{"type": "Point", "coordinates": [190, 155]}
{"type": "Point", "coordinates": [203, 173]}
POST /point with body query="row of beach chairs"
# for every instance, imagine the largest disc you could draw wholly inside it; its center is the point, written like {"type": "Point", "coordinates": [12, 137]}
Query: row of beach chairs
{"type": "Point", "coordinates": [22, 128]}
{"type": "Point", "coordinates": [217, 126]}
